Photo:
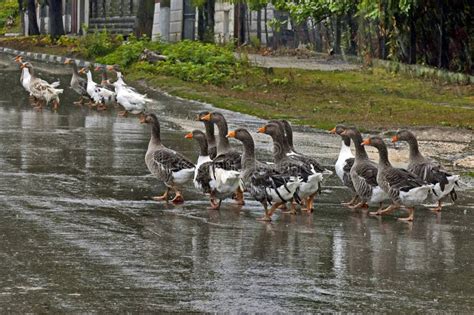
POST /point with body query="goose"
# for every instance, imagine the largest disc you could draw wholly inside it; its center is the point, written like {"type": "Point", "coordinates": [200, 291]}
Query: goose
{"type": "Point", "coordinates": [25, 76]}
{"type": "Point", "coordinates": [132, 101]}
{"type": "Point", "coordinates": [44, 92]}
{"type": "Point", "coordinates": [429, 170]}
{"type": "Point", "coordinates": [316, 167]}
{"type": "Point", "coordinates": [101, 96]}
{"type": "Point", "coordinates": [403, 187]}
{"type": "Point", "coordinates": [105, 82]}
{"type": "Point", "coordinates": [116, 69]}
{"type": "Point", "coordinates": [364, 174]}
{"type": "Point", "coordinates": [344, 163]}
{"type": "Point", "coordinates": [210, 136]}
{"type": "Point", "coordinates": [167, 165]}
{"type": "Point", "coordinates": [310, 180]}
{"type": "Point", "coordinates": [227, 159]}
{"type": "Point", "coordinates": [78, 83]}
{"type": "Point", "coordinates": [264, 182]}
{"type": "Point", "coordinates": [204, 178]}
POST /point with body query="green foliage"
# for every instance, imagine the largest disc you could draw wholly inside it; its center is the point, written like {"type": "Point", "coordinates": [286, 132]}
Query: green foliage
{"type": "Point", "coordinates": [187, 60]}
{"type": "Point", "coordinates": [8, 8]}
{"type": "Point", "coordinates": [97, 44]}
{"type": "Point", "coordinates": [129, 52]}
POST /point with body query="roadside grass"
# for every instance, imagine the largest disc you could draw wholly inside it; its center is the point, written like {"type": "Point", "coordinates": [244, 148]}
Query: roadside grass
{"type": "Point", "coordinates": [370, 98]}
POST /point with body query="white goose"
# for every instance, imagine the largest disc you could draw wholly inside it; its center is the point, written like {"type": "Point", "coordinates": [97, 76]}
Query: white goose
{"type": "Point", "coordinates": [100, 95]}
{"type": "Point", "coordinates": [41, 90]}
{"type": "Point", "coordinates": [132, 101]}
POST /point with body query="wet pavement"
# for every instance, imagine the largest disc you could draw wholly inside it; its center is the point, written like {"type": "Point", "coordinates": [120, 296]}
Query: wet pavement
{"type": "Point", "coordinates": [78, 232]}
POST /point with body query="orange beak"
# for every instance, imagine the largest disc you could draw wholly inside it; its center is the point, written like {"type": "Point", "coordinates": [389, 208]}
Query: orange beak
{"type": "Point", "coordinates": [110, 68]}
{"type": "Point", "coordinates": [189, 135]}
{"type": "Point", "coordinates": [82, 71]}
{"type": "Point", "coordinates": [231, 134]}
{"type": "Point", "coordinates": [142, 119]}
{"type": "Point", "coordinates": [366, 142]}
{"type": "Point", "coordinates": [18, 58]}
{"type": "Point", "coordinates": [22, 66]}
{"type": "Point", "coordinates": [395, 139]}
{"type": "Point", "coordinates": [97, 68]}
{"type": "Point", "coordinates": [262, 129]}
{"type": "Point", "coordinates": [67, 61]}
{"type": "Point", "coordinates": [333, 130]}
{"type": "Point", "coordinates": [206, 117]}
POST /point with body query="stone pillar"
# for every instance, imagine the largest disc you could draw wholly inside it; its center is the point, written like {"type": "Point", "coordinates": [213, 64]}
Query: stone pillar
{"type": "Point", "coordinates": [176, 20]}
{"type": "Point", "coordinates": [161, 21]}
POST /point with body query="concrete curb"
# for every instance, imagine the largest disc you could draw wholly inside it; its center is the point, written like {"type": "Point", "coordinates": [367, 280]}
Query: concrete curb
{"type": "Point", "coordinates": [46, 57]}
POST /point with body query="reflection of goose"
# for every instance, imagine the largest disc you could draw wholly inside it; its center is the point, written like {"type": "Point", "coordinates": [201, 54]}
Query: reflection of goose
{"type": "Point", "coordinates": [265, 183]}
{"type": "Point", "coordinates": [403, 187]}
{"type": "Point", "coordinates": [168, 165]}
{"type": "Point", "coordinates": [429, 170]}
{"type": "Point", "coordinates": [44, 92]}
{"type": "Point", "coordinates": [364, 174]}
{"type": "Point", "coordinates": [344, 163]}
{"type": "Point", "coordinates": [78, 83]}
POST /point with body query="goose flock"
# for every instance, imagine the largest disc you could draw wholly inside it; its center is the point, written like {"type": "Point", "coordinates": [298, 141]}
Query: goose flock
{"type": "Point", "coordinates": [292, 180]}
{"type": "Point", "coordinates": [99, 95]}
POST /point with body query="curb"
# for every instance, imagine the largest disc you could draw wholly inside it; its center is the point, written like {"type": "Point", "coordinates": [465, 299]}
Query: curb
{"type": "Point", "coordinates": [47, 57]}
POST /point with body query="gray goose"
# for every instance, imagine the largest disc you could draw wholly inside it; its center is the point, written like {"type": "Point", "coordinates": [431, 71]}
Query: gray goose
{"type": "Point", "coordinates": [403, 187]}
{"type": "Point", "coordinates": [429, 170]}
{"type": "Point", "coordinates": [364, 174]}
{"type": "Point", "coordinates": [227, 160]}
{"type": "Point", "coordinates": [310, 181]}
{"type": "Point", "coordinates": [312, 162]}
{"type": "Point", "coordinates": [204, 178]}
{"type": "Point", "coordinates": [167, 165]}
{"type": "Point", "coordinates": [43, 91]}
{"type": "Point", "coordinates": [264, 182]}
{"type": "Point", "coordinates": [344, 163]}
{"type": "Point", "coordinates": [210, 136]}
{"type": "Point", "coordinates": [78, 83]}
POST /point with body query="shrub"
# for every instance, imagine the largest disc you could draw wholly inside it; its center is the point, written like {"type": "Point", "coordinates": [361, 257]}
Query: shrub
{"type": "Point", "coordinates": [7, 8]}
{"type": "Point", "coordinates": [97, 44]}
{"type": "Point", "coordinates": [129, 52]}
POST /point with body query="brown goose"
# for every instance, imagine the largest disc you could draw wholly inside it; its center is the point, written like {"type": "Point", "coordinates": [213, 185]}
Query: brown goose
{"type": "Point", "coordinates": [429, 170]}
{"type": "Point", "coordinates": [168, 165]}
{"type": "Point", "coordinates": [210, 136]}
{"type": "Point", "coordinates": [310, 181]}
{"type": "Point", "coordinates": [344, 163]}
{"type": "Point", "coordinates": [403, 187]}
{"type": "Point", "coordinates": [78, 83]}
{"type": "Point", "coordinates": [264, 182]}
{"type": "Point", "coordinates": [227, 159]}
{"type": "Point", "coordinates": [364, 174]}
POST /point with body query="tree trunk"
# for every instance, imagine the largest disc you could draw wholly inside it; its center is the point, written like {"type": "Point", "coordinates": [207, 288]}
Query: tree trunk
{"type": "Point", "coordinates": [337, 42]}
{"type": "Point", "coordinates": [144, 21]}
{"type": "Point", "coordinates": [259, 24]}
{"type": "Point", "coordinates": [33, 28]}
{"type": "Point", "coordinates": [210, 22]}
{"type": "Point", "coordinates": [412, 56]}
{"type": "Point", "coordinates": [266, 26]}
{"type": "Point", "coordinates": [353, 29]}
{"type": "Point", "coordinates": [21, 12]}
{"type": "Point", "coordinates": [443, 61]}
{"type": "Point", "coordinates": [56, 18]}
{"type": "Point", "coordinates": [201, 23]}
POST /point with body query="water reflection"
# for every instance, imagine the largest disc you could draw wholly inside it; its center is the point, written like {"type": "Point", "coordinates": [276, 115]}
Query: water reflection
{"type": "Point", "coordinates": [79, 234]}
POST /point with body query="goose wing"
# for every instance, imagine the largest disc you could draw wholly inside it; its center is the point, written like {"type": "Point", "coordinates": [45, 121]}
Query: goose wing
{"type": "Point", "coordinates": [432, 173]}
{"type": "Point", "coordinates": [171, 160]}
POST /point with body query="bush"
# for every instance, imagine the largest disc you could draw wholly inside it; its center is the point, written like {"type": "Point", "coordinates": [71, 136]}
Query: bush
{"type": "Point", "coordinates": [7, 8]}
{"type": "Point", "coordinates": [129, 52]}
{"type": "Point", "coordinates": [187, 60]}
{"type": "Point", "coordinates": [97, 44]}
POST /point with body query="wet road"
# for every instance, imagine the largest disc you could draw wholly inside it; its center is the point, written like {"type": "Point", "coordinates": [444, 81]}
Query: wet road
{"type": "Point", "coordinates": [77, 232]}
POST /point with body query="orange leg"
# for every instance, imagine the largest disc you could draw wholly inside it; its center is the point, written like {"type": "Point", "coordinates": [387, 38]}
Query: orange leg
{"type": "Point", "coordinates": [163, 197]}
{"type": "Point", "coordinates": [239, 197]}
{"type": "Point", "coordinates": [411, 212]}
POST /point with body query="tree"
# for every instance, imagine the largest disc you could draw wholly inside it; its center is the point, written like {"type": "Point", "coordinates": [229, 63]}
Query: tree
{"type": "Point", "coordinates": [144, 21]}
{"type": "Point", "coordinates": [33, 28]}
{"type": "Point", "coordinates": [56, 18]}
